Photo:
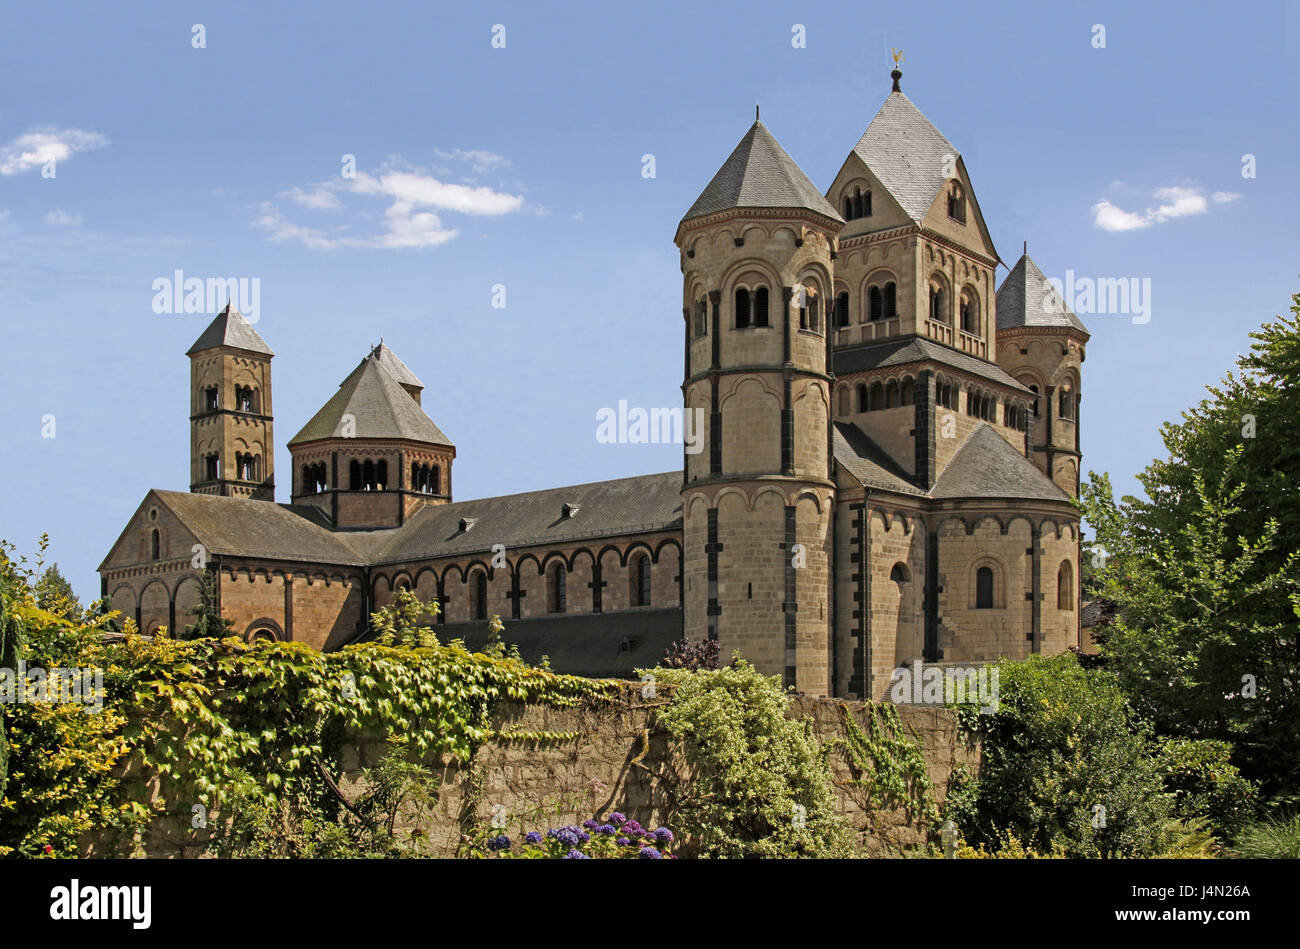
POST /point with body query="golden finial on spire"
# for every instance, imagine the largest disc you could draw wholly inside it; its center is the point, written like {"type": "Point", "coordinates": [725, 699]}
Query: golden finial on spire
{"type": "Point", "coordinates": [898, 56]}
{"type": "Point", "coordinates": [897, 74]}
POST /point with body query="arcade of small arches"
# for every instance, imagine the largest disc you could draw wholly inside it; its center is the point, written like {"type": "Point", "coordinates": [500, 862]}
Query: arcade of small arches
{"type": "Point", "coordinates": [856, 204]}
{"type": "Point", "coordinates": [638, 560]}
{"type": "Point", "coordinates": [248, 399]}
{"type": "Point", "coordinates": [891, 393]}
{"type": "Point", "coordinates": [968, 306]}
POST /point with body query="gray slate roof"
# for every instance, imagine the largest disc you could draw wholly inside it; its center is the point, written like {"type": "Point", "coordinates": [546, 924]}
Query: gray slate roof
{"type": "Point", "coordinates": [244, 528]}
{"type": "Point", "coordinates": [606, 508]}
{"type": "Point", "coordinates": [759, 174]}
{"type": "Point", "coordinates": [907, 153]}
{"type": "Point", "coordinates": [985, 466]}
{"type": "Point", "coordinates": [586, 644]}
{"type": "Point", "coordinates": [396, 368]}
{"type": "Point", "coordinates": [230, 329]}
{"type": "Point", "coordinates": [379, 405]}
{"type": "Point", "coordinates": [913, 349]}
{"type": "Point", "coordinates": [1027, 299]}
{"type": "Point", "coordinates": [870, 464]}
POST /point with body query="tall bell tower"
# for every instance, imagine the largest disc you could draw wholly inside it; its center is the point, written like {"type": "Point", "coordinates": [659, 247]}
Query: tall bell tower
{"type": "Point", "coordinates": [757, 493]}
{"type": "Point", "coordinates": [232, 449]}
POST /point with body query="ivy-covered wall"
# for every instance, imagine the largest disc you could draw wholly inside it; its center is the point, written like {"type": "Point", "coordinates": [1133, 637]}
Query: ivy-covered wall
{"type": "Point", "coordinates": [618, 760]}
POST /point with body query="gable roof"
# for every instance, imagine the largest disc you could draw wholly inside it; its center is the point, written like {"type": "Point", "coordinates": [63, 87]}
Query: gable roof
{"type": "Point", "coordinates": [1026, 298]}
{"type": "Point", "coordinates": [379, 406]}
{"type": "Point", "coordinates": [264, 529]}
{"type": "Point", "coordinates": [230, 329]}
{"type": "Point", "coordinates": [605, 509]}
{"type": "Point", "coordinates": [985, 466]}
{"type": "Point", "coordinates": [907, 153]}
{"type": "Point", "coordinates": [396, 368]}
{"type": "Point", "coordinates": [760, 174]}
{"type": "Point", "coordinates": [912, 349]}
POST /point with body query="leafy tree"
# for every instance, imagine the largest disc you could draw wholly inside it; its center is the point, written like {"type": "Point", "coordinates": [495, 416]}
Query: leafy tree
{"type": "Point", "coordinates": [1067, 767]}
{"type": "Point", "coordinates": [208, 621]}
{"type": "Point", "coordinates": [1205, 568]}
{"type": "Point", "coordinates": [54, 593]}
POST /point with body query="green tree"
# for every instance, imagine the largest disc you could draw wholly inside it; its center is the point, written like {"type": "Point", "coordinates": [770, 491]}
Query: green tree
{"type": "Point", "coordinates": [1205, 569]}
{"type": "Point", "coordinates": [208, 621]}
{"type": "Point", "coordinates": [55, 594]}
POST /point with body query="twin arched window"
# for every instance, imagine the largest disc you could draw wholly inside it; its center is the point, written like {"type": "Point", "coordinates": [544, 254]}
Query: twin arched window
{"type": "Point", "coordinates": [247, 399]}
{"type": "Point", "coordinates": [957, 203]}
{"type": "Point", "coordinates": [212, 466]}
{"type": "Point", "coordinates": [210, 401]}
{"type": "Point", "coordinates": [751, 307]}
{"type": "Point", "coordinates": [882, 302]}
{"type": "Point", "coordinates": [857, 205]}
{"type": "Point", "coordinates": [889, 395]}
{"type": "Point", "coordinates": [938, 304]}
{"type": "Point", "coordinates": [946, 394]}
{"type": "Point", "coordinates": [248, 467]}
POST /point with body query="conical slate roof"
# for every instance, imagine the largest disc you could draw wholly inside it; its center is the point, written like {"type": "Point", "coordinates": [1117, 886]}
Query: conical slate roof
{"type": "Point", "coordinates": [230, 329]}
{"type": "Point", "coordinates": [908, 155]}
{"type": "Point", "coordinates": [1027, 299]}
{"type": "Point", "coordinates": [398, 369]}
{"type": "Point", "coordinates": [379, 406]}
{"type": "Point", "coordinates": [760, 174]}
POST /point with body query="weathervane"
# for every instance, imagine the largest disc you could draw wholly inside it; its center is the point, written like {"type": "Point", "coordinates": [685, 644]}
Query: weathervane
{"type": "Point", "coordinates": [897, 74]}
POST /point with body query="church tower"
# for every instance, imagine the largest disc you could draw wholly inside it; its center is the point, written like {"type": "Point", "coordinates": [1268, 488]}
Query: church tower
{"type": "Point", "coordinates": [757, 494]}
{"type": "Point", "coordinates": [1041, 343]}
{"type": "Point", "coordinates": [232, 450]}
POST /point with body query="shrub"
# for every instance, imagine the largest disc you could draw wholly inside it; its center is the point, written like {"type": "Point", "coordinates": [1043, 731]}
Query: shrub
{"type": "Point", "coordinates": [758, 783]}
{"type": "Point", "coordinates": [1205, 784]}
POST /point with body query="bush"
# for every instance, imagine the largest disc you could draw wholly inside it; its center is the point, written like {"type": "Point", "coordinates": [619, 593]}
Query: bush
{"type": "Point", "coordinates": [759, 784]}
{"type": "Point", "coordinates": [1066, 767]}
{"type": "Point", "coordinates": [1205, 784]}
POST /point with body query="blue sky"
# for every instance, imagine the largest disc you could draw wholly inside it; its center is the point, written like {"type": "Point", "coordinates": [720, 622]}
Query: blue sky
{"type": "Point", "coordinates": [522, 166]}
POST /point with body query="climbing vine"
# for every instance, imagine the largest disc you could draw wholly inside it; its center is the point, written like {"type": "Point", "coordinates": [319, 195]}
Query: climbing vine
{"type": "Point", "coordinates": [888, 763]}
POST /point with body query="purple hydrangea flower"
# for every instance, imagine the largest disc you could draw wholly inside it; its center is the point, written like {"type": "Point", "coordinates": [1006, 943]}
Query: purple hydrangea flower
{"type": "Point", "coordinates": [623, 842]}
{"type": "Point", "coordinates": [617, 819]}
{"type": "Point", "coordinates": [650, 853]}
{"type": "Point", "coordinates": [664, 835]}
{"type": "Point", "coordinates": [500, 842]}
{"type": "Point", "coordinates": [609, 830]}
{"type": "Point", "coordinates": [564, 835]}
{"type": "Point", "coordinates": [584, 836]}
{"type": "Point", "coordinates": [576, 855]}
{"type": "Point", "coordinates": [590, 824]}
{"type": "Point", "coordinates": [533, 837]}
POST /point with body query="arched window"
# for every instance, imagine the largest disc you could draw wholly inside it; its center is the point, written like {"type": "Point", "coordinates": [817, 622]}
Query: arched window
{"type": "Point", "coordinates": [877, 399]}
{"type": "Point", "coordinates": [742, 308]}
{"type": "Point", "coordinates": [480, 595]}
{"type": "Point", "coordinates": [1065, 586]}
{"type": "Point", "coordinates": [842, 310]}
{"type": "Point", "coordinates": [875, 303]}
{"type": "Point", "coordinates": [891, 301]}
{"type": "Point", "coordinates": [435, 480]}
{"type": "Point", "coordinates": [212, 466]}
{"type": "Point", "coordinates": [644, 581]}
{"type": "Point", "coordinates": [864, 404]}
{"type": "Point", "coordinates": [866, 204]}
{"type": "Point", "coordinates": [899, 573]}
{"type": "Point", "coordinates": [1034, 390]}
{"type": "Point", "coordinates": [155, 545]}
{"type": "Point", "coordinates": [308, 480]}
{"type": "Point", "coordinates": [891, 394]}
{"type": "Point", "coordinates": [557, 589]}
{"type": "Point", "coordinates": [354, 475]}
{"type": "Point", "coordinates": [908, 392]}
{"type": "Point", "coordinates": [844, 400]}
{"type": "Point", "coordinates": [1067, 403]}
{"type": "Point", "coordinates": [760, 307]}
{"type": "Point", "coordinates": [701, 318]}
{"type": "Point", "coordinates": [381, 475]}
{"type": "Point", "coordinates": [970, 317]}
{"type": "Point", "coordinates": [984, 588]}
{"type": "Point", "coordinates": [210, 398]}
{"type": "Point", "coordinates": [848, 208]}
{"type": "Point", "coordinates": [857, 202]}
{"type": "Point", "coordinates": [416, 480]}
{"type": "Point", "coordinates": [938, 310]}
{"type": "Point", "coordinates": [368, 475]}
{"type": "Point", "coordinates": [956, 203]}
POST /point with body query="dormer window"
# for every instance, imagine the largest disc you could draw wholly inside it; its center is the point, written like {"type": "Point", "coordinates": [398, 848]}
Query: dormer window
{"type": "Point", "coordinates": [467, 524]}
{"type": "Point", "coordinates": [569, 510]}
{"type": "Point", "coordinates": [956, 203]}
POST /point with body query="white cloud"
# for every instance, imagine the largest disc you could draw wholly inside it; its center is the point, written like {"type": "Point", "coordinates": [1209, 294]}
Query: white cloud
{"type": "Point", "coordinates": [411, 219]}
{"type": "Point", "coordinates": [38, 146]}
{"type": "Point", "coordinates": [480, 160]}
{"type": "Point", "coordinates": [1174, 201]}
{"type": "Point", "coordinates": [61, 218]}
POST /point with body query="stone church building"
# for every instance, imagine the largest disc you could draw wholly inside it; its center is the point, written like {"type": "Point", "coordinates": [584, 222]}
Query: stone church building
{"type": "Point", "coordinates": [891, 450]}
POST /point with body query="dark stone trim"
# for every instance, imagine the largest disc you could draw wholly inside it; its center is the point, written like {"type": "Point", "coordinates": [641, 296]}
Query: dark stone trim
{"type": "Point", "coordinates": [932, 651]}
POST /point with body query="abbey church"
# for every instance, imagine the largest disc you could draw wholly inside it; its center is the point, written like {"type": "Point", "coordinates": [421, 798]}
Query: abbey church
{"type": "Point", "coordinates": [891, 450]}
